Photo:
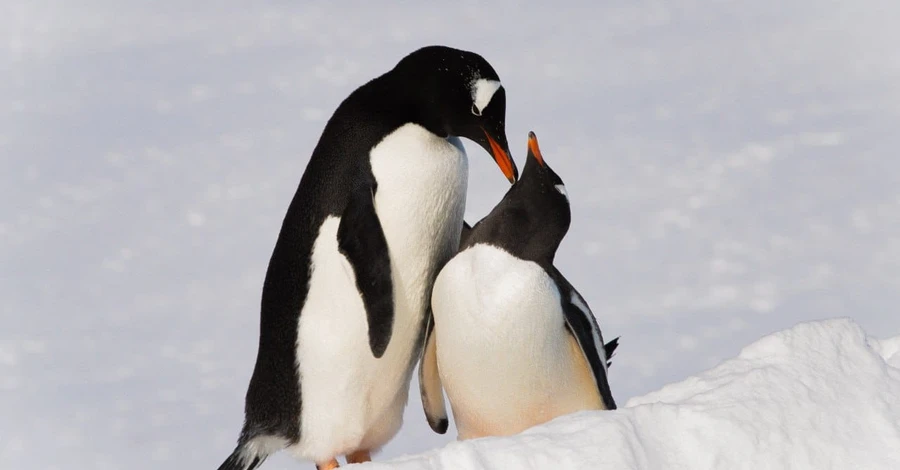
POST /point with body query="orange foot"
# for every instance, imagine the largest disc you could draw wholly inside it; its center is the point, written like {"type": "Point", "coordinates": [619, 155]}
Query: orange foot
{"type": "Point", "coordinates": [359, 456]}
{"type": "Point", "coordinates": [330, 465]}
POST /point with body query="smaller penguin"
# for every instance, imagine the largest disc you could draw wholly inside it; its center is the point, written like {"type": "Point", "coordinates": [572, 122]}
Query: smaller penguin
{"type": "Point", "coordinates": [511, 341]}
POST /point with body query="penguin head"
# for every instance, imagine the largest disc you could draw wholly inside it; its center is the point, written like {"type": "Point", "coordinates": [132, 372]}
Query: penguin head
{"type": "Point", "coordinates": [542, 194]}
{"type": "Point", "coordinates": [460, 94]}
{"type": "Point", "coordinates": [533, 217]}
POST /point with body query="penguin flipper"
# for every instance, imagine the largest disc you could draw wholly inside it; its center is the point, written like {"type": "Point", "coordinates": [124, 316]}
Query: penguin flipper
{"type": "Point", "coordinates": [581, 322]}
{"type": "Point", "coordinates": [430, 381]}
{"type": "Point", "coordinates": [361, 239]}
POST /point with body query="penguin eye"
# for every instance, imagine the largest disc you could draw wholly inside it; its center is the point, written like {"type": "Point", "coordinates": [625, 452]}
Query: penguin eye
{"type": "Point", "coordinates": [475, 110]}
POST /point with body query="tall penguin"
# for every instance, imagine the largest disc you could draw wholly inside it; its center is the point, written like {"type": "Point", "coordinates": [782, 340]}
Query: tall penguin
{"type": "Point", "coordinates": [377, 212]}
{"type": "Point", "coordinates": [513, 343]}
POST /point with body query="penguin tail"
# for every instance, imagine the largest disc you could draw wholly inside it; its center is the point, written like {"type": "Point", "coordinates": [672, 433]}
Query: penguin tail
{"type": "Point", "coordinates": [610, 350]}
{"type": "Point", "coordinates": [243, 458]}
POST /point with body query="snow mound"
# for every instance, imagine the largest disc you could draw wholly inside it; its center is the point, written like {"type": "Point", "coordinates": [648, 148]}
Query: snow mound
{"type": "Point", "coordinates": [821, 395]}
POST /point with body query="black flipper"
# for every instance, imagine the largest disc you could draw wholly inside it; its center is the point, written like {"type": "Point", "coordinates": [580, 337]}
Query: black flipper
{"type": "Point", "coordinates": [581, 323]}
{"type": "Point", "coordinates": [430, 381]}
{"type": "Point", "coordinates": [362, 241]}
{"type": "Point", "coordinates": [610, 349]}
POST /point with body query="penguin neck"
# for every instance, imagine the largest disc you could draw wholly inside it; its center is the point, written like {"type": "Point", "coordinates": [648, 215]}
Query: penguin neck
{"type": "Point", "coordinates": [533, 249]}
{"type": "Point", "coordinates": [538, 248]}
{"type": "Point", "coordinates": [519, 231]}
{"type": "Point", "coordinates": [411, 99]}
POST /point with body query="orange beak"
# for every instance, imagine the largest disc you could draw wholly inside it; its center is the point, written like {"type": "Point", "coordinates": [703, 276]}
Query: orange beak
{"type": "Point", "coordinates": [534, 149]}
{"type": "Point", "coordinates": [502, 158]}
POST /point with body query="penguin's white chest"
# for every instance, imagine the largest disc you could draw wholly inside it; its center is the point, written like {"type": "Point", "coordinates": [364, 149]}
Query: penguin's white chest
{"type": "Point", "coordinates": [420, 202]}
{"type": "Point", "coordinates": [504, 355]}
{"type": "Point", "coordinates": [352, 400]}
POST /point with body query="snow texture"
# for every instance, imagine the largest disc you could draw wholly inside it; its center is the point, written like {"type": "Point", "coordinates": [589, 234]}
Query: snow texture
{"type": "Point", "coordinates": [821, 395]}
{"type": "Point", "coordinates": [732, 168]}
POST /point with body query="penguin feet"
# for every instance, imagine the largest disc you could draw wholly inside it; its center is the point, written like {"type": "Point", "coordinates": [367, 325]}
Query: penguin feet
{"type": "Point", "coordinates": [359, 456]}
{"type": "Point", "coordinates": [330, 465]}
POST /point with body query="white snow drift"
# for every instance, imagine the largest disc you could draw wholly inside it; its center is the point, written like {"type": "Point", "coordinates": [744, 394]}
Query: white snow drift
{"type": "Point", "coordinates": [821, 395]}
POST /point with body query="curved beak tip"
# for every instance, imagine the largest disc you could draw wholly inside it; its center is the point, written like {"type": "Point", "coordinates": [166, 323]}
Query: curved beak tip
{"type": "Point", "coordinates": [515, 176]}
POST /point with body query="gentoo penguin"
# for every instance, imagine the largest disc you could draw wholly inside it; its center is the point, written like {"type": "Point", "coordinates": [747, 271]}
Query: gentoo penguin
{"type": "Point", "coordinates": [513, 343]}
{"type": "Point", "coordinates": [377, 212]}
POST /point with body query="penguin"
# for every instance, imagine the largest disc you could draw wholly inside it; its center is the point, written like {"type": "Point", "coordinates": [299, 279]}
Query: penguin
{"type": "Point", "coordinates": [512, 342]}
{"type": "Point", "coordinates": [378, 210]}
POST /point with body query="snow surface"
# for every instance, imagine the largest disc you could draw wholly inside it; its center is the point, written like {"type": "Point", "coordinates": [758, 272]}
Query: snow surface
{"type": "Point", "coordinates": [732, 168]}
{"type": "Point", "coordinates": [821, 395]}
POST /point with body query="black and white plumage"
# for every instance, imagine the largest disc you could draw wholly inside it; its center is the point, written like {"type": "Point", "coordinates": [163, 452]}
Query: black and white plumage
{"type": "Point", "coordinates": [514, 344]}
{"type": "Point", "coordinates": [377, 212]}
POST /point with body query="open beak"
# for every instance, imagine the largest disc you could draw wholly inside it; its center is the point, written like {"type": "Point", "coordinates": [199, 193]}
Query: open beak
{"type": "Point", "coordinates": [534, 149]}
{"type": "Point", "coordinates": [501, 156]}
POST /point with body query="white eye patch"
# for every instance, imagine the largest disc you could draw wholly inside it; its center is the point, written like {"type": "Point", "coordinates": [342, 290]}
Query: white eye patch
{"type": "Point", "coordinates": [562, 190]}
{"type": "Point", "coordinates": [482, 92]}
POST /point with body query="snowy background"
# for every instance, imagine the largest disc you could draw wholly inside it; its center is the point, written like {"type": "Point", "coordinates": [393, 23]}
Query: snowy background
{"type": "Point", "coordinates": [733, 170]}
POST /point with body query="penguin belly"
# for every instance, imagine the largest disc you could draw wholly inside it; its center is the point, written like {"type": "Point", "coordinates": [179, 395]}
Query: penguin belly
{"type": "Point", "coordinates": [350, 399]}
{"type": "Point", "coordinates": [505, 357]}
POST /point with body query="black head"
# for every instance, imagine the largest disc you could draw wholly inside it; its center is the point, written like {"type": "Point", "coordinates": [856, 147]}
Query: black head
{"type": "Point", "coordinates": [460, 95]}
{"type": "Point", "coordinates": [534, 215]}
